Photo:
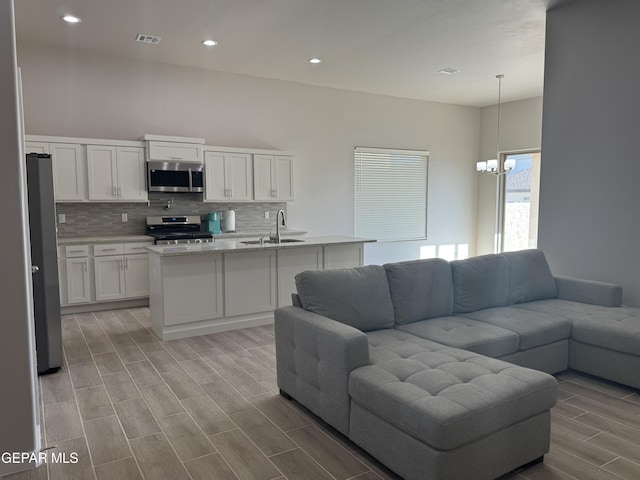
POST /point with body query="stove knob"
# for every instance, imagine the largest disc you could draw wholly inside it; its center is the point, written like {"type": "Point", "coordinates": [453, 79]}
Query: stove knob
{"type": "Point", "coordinates": [188, 241]}
{"type": "Point", "coordinates": [176, 242]}
{"type": "Point", "coordinates": [198, 240]}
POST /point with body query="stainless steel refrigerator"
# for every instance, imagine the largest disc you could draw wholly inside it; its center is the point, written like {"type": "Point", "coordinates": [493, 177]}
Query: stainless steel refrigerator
{"type": "Point", "coordinates": [44, 258]}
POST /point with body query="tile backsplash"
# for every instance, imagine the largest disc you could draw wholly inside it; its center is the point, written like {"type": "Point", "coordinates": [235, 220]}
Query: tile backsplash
{"type": "Point", "coordinates": [97, 219]}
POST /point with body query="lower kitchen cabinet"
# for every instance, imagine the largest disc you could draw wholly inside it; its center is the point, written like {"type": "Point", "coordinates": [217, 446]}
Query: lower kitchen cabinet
{"type": "Point", "coordinates": [136, 275]}
{"type": "Point", "coordinates": [78, 280]}
{"type": "Point", "coordinates": [249, 282]}
{"type": "Point", "coordinates": [292, 261]}
{"type": "Point", "coordinates": [109, 275]}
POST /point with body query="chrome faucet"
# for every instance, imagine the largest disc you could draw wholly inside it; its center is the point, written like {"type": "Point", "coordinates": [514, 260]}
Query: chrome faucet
{"type": "Point", "coordinates": [276, 237]}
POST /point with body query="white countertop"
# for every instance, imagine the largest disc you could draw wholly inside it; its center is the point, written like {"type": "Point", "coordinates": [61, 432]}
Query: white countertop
{"type": "Point", "coordinates": [104, 239]}
{"type": "Point", "coordinates": [226, 246]}
{"type": "Point", "coordinates": [147, 238]}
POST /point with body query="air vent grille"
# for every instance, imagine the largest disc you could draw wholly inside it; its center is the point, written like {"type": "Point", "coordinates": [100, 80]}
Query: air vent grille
{"type": "Point", "coordinates": [148, 39]}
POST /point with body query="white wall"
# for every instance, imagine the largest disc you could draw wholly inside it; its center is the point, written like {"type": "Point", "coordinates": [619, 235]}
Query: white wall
{"type": "Point", "coordinates": [590, 172]}
{"type": "Point", "coordinates": [520, 129]}
{"type": "Point", "coordinates": [105, 97]}
{"type": "Point", "coordinates": [18, 400]}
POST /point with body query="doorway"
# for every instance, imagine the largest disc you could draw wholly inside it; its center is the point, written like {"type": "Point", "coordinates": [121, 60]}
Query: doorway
{"type": "Point", "coordinates": [519, 202]}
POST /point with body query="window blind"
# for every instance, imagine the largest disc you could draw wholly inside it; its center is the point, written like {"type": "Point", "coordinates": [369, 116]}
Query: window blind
{"type": "Point", "coordinates": [391, 194]}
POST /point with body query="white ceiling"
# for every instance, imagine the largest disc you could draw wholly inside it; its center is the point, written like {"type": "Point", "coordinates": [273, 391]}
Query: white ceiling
{"type": "Point", "coordinates": [389, 47]}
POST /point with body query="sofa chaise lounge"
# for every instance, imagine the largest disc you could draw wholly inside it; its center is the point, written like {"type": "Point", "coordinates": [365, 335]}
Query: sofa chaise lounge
{"type": "Point", "coordinates": [441, 370]}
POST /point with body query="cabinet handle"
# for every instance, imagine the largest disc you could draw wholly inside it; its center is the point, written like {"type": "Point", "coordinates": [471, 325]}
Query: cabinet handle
{"type": "Point", "coordinates": [76, 251]}
{"type": "Point", "coordinates": [126, 263]}
{"type": "Point", "coordinates": [85, 266]}
{"type": "Point", "coordinates": [113, 192]}
{"type": "Point", "coordinates": [119, 192]}
{"type": "Point", "coordinates": [108, 249]}
{"type": "Point", "coordinates": [176, 158]}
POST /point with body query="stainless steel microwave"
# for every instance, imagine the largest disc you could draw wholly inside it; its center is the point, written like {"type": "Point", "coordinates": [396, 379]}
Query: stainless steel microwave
{"type": "Point", "coordinates": [175, 177]}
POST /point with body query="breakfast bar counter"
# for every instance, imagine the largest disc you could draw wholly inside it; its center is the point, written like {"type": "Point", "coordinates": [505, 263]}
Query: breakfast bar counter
{"type": "Point", "coordinates": [198, 289]}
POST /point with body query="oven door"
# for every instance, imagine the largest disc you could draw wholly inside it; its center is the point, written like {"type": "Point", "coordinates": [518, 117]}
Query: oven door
{"type": "Point", "coordinates": [175, 177]}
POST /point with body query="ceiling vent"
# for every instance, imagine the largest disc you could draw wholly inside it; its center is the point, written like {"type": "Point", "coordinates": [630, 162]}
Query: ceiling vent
{"type": "Point", "coordinates": [448, 71]}
{"type": "Point", "coordinates": [148, 39]}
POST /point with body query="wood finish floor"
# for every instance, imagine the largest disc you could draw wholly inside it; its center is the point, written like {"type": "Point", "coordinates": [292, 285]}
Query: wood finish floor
{"type": "Point", "coordinates": [134, 407]}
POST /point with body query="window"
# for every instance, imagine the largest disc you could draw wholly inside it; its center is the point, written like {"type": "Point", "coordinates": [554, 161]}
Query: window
{"type": "Point", "coordinates": [520, 202]}
{"type": "Point", "coordinates": [391, 194]}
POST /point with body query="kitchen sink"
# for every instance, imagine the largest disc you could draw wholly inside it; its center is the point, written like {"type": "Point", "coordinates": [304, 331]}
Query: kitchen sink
{"type": "Point", "coordinates": [284, 240]}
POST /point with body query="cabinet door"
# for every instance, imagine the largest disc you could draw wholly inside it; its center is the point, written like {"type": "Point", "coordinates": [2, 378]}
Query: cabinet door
{"type": "Point", "coordinates": [102, 177]}
{"type": "Point", "coordinates": [136, 275]}
{"type": "Point", "coordinates": [78, 285]}
{"type": "Point", "coordinates": [69, 172]}
{"type": "Point", "coordinates": [36, 147]}
{"type": "Point", "coordinates": [292, 261]}
{"type": "Point", "coordinates": [132, 185]}
{"type": "Point", "coordinates": [283, 178]}
{"type": "Point", "coordinates": [262, 178]}
{"type": "Point", "coordinates": [343, 256]}
{"type": "Point", "coordinates": [109, 276]}
{"type": "Point", "coordinates": [214, 170]}
{"type": "Point", "coordinates": [249, 282]}
{"type": "Point", "coordinates": [172, 151]}
{"type": "Point", "coordinates": [239, 176]}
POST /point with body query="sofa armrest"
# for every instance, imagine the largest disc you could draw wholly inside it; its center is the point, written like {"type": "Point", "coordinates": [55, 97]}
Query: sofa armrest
{"type": "Point", "coordinates": [314, 356]}
{"type": "Point", "coordinates": [589, 291]}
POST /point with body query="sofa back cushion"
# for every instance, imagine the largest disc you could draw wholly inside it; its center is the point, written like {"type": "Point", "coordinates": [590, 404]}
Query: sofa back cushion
{"type": "Point", "coordinates": [356, 296]}
{"type": "Point", "coordinates": [479, 283]}
{"type": "Point", "coordinates": [530, 277]}
{"type": "Point", "coordinates": [420, 289]}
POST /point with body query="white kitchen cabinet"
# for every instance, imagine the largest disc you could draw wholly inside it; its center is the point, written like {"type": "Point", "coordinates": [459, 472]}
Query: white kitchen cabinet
{"type": "Point", "coordinates": [250, 282]}
{"type": "Point", "coordinates": [343, 256]}
{"type": "Point", "coordinates": [136, 275]}
{"type": "Point", "coordinates": [69, 172]}
{"type": "Point", "coordinates": [78, 280]}
{"type": "Point", "coordinates": [116, 173]}
{"type": "Point", "coordinates": [36, 147]}
{"type": "Point", "coordinates": [121, 272]}
{"type": "Point", "coordinates": [273, 178]}
{"type": "Point", "coordinates": [292, 261]}
{"type": "Point", "coordinates": [229, 176]}
{"type": "Point", "coordinates": [109, 278]}
{"type": "Point", "coordinates": [174, 151]}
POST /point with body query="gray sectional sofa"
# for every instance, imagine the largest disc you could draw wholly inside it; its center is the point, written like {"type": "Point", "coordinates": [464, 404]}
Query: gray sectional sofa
{"type": "Point", "coordinates": [441, 370]}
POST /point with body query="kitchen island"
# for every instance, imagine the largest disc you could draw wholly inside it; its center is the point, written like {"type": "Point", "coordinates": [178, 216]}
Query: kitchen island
{"type": "Point", "coordinates": [198, 289]}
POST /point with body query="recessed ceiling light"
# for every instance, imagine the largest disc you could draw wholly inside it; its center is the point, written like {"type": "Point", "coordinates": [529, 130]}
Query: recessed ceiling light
{"type": "Point", "coordinates": [448, 71]}
{"type": "Point", "coordinates": [315, 60]}
{"type": "Point", "coordinates": [71, 19]}
{"type": "Point", "coordinates": [209, 43]}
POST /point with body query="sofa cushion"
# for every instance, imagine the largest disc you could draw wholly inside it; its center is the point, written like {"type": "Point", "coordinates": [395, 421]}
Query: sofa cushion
{"type": "Point", "coordinates": [618, 329]}
{"type": "Point", "coordinates": [462, 332]}
{"type": "Point", "coordinates": [450, 397]}
{"type": "Point", "coordinates": [479, 283]}
{"type": "Point", "coordinates": [420, 289]}
{"type": "Point", "coordinates": [564, 308]}
{"type": "Point", "coordinates": [392, 343]}
{"type": "Point", "coordinates": [533, 328]}
{"type": "Point", "coordinates": [355, 296]}
{"type": "Point", "coordinates": [529, 277]}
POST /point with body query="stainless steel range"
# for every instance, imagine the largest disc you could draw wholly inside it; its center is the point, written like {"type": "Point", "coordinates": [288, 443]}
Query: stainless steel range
{"type": "Point", "coordinates": [176, 229]}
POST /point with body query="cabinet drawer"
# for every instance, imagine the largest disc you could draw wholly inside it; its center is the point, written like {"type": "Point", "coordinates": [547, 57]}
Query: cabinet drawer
{"type": "Point", "coordinates": [76, 251]}
{"type": "Point", "coordinates": [179, 152]}
{"type": "Point", "coordinates": [138, 247]}
{"type": "Point", "coordinates": [108, 249]}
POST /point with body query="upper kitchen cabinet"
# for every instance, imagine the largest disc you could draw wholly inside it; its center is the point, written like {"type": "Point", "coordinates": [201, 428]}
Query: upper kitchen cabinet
{"type": "Point", "coordinates": [165, 148]}
{"type": "Point", "coordinates": [116, 173]}
{"type": "Point", "coordinates": [273, 178]}
{"type": "Point", "coordinates": [69, 172]}
{"type": "Point", "coordinates": [229, 177]}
